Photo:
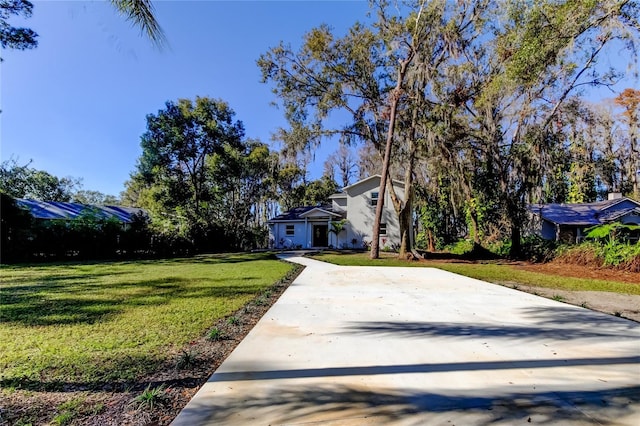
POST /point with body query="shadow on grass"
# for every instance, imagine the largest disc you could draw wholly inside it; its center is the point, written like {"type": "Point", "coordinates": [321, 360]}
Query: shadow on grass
{"type": "Point", "coordinates": [60, 303]}
{"type": "Point", "coordinates": [112, 374]}
{"type": "Point", "coordinates": [213, 258]}
{"type": "Point", "coordinates": [297, 404]}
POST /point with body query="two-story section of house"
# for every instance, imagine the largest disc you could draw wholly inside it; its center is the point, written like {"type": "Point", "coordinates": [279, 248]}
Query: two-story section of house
{"type": "Point", "coordinates": [355, 206]}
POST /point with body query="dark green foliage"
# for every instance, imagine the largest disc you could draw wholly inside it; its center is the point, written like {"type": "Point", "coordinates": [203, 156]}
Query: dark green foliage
{"type": "Point", "coordinates": [613, 232]}
{"type": "Point", "coordinates": [206, 187]}
{"type": "Point", "coordinates": [612, 254]}
{"type": "Point", "coordinates": [26, 182]}
{"type": "Point", "coordinates": [215, 334]}
{"type": "Point", "coordinates": [89, 236]}
{"type": "Point", "coordinates": [16, 37]}
{"type": "Point", "coordinates": [188, 358]}
{"type": "Point", "coordinates": [15, 230]}
{"type": "Point", "coordinates": [538, 249]}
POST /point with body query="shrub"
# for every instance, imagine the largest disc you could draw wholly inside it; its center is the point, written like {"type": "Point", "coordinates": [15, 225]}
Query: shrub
{"type": "Point", "coordinates": [150, 398]}
{"type": "Point", "coordinates": [215, 334]}
{"type": "Point", "coordinates": [460, 247]}
{"type": "Point", "coordinates": [613, 254]}
{"type": "Point", "coordinates": [537, 249]}
{"type": "Point", "coordinates": [187, 359]}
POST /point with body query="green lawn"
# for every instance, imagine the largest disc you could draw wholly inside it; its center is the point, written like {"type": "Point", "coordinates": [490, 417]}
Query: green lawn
{"type": "Point", "coordinates": [492, 272]}
{"type": "Point", "coordinates": [114, 321]}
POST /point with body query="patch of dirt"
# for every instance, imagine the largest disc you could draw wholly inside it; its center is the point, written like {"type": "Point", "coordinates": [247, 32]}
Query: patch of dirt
{"type": "Point", "coordinates": [621, 305]}
{"type": "Point", "coordinates": [579, 271]}
{"type": "Point", "coordinates": [113, 404]}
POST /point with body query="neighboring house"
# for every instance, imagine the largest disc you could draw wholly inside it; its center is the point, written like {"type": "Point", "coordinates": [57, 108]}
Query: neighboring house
{"type": "Point", "coordinates": [47, 210]}
{"type": "Point", "coordinates": [567, 222]}
{"type": "Point", "coordinates": [310, 226]}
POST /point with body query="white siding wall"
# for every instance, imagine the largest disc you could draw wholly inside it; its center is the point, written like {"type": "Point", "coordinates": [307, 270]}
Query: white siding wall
{"type": "Point", "coordinates": [339, 203]}
{"type": "Point", "coordinates": [361, 215]}
{"type": "Point", "coordinates": [278, 234]}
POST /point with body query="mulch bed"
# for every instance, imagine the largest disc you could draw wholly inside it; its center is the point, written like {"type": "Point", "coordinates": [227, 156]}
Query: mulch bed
{"type": "Point", "coordinates": [114, 403]}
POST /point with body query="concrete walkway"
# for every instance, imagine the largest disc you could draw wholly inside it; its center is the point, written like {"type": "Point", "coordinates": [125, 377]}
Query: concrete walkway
{"type": "Point", "coordinates": [420, 346]}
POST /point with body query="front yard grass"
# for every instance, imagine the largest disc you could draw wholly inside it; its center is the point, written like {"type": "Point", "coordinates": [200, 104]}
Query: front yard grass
{"type": "Point", "coordinates": [505, 274]}
{"type": "Point", "coordinates": [68, 326]}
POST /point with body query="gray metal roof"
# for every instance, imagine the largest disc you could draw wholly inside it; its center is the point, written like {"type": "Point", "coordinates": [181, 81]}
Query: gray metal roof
{"type": "Point", "coordinates": [297, 213]}
{"type": "Point", "coordinates": [585, 213]}
{"type": "Point", "coordinates": [60, 210]}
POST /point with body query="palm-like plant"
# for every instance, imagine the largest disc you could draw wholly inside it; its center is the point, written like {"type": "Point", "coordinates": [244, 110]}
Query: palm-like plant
{"type": "Point", "coordinates": [141, 14]}
{"type": "Point", "coordinates": [337, 226]}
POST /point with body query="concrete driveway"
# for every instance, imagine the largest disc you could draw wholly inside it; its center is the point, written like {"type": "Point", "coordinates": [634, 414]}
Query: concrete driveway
{"type": "Point", "coordinates": [421, 346]}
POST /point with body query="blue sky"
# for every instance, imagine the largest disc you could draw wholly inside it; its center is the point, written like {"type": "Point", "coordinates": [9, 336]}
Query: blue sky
{"type": "Point", "coordinates": [76, 105]}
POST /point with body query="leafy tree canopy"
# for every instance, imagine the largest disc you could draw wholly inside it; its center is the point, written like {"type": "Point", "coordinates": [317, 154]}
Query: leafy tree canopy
{"type": "Point", "coordinates": [26, 182]}
{"type": "Point", "coordinates": [16, 37]}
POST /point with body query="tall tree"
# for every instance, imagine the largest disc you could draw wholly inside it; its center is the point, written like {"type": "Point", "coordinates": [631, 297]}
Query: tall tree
{"type": "Point", "coordinates": [502, 97]}
{"type": "Point", "coordinates": [22, 181]}
{"type": "Point", "coordinates": [85, 196]}
{"type": "Point", "coordinates": [200, 179]}
{"type": "Point", "coordinates": [361, 74]}
{"type": "Point", "coordinates": [343, 160]}
{"type": "Point", "coordinates": [629, 100]}
{"type": "Point", "coordinates": [178, 142]}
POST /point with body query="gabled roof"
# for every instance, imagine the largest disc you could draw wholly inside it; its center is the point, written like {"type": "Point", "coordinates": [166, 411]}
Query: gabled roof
{"type": "Point", "coordinates": [584, 213]}
{"type": "Point", "coordinates": [299, 213]}
{"type": "Point", "coordinates": [395, 181]}
{"type": "Point", "coordinates": [325, 211]}
{"type": "Point", "coordinates": [611, 216]}
{"type": "Point", "coordinates": [60, 210]}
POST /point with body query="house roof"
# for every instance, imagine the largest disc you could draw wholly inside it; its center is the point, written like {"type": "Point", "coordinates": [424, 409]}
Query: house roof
{"type": "Point", "coordinates": [321, 210]}
{"type": "Point", "coordinates": [60, 210]}
{"type": "Point", "coordinates": [584, 213]}
{"type": "Point", "coordinates": [395, 181]}
{"type": "Point", "coordinates": [299, 213]}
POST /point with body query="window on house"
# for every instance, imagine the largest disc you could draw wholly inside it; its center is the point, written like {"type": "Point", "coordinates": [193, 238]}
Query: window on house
{"type": "Point", "coordinates": [383, 229]}
{"type": "Point", "coordinates": [291, 230]}
{"type": "Point", "coordinates": [374, 198]}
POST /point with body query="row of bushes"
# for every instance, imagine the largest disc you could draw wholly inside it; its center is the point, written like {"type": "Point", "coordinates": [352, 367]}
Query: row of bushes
{"type": "Point", "coordinates": [617, 255]}
{"type": "Point", "coordinates": [90, 236]}
{"type": "Point", "coordinates": [608, 247]}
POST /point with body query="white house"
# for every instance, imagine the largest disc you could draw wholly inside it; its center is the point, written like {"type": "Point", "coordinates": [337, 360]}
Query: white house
{"type": "Point", "coordinates": [311, 226]}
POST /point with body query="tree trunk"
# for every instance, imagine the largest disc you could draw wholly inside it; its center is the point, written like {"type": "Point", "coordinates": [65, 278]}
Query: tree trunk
{"type": "Point", "coordinates": [476, 227]}
{"type": "Point", "coordinates": [405, 229]}
{"type": "Point", "coordinates": [516, 248]}
{"type": "Point", "coordinates": [431, 243]}
{"type": "Point", "coordinates": [393, 107]}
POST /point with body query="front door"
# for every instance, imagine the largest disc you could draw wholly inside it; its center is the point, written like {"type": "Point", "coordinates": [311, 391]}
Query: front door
{"type": "Point", "coordinates": [320, 235]}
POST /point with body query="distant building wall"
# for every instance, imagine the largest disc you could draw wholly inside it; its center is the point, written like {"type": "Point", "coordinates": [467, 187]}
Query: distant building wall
{"type": "Point", "coordinates": [361, 214]}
